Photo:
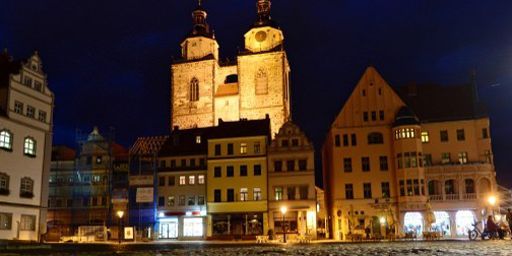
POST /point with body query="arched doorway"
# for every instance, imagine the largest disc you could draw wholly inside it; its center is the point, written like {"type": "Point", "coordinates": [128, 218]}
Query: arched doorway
{"type": "Point", "coordinates": [413, 222]}
{"type": "Point", "coordinates": [463, 221]}
{"type": "Point", "coordinates": [442, 223]}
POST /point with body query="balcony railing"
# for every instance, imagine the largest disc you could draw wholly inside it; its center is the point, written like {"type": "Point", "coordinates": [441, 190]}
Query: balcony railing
{"type": "Point", "coordinates": [436, 197]}
{"type": "Point", "coordinates": [470, 196]}
{"type": "Point", "coordinates": [452, 197]}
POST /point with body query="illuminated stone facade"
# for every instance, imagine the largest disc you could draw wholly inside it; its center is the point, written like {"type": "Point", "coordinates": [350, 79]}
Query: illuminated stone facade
{"type": "Point", "coordinates": [204, 89]}
{"type": "Point", "coordinates": [392, 160]}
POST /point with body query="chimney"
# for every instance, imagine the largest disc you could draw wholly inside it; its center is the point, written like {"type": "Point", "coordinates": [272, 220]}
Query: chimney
{"type": "Point", "coordinates": [220, 121]}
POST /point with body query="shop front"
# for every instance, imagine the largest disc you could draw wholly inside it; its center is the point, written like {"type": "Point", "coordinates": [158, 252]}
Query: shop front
{"type": "Point", "coordinates": [182, 226]}
{"type": "Point", "coordinates": [237, 225]}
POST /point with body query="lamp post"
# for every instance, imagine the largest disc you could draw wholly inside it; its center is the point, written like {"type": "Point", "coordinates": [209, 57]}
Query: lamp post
{"type": "Point", "coordinates": [283, 211]}
{"type": "Point", "coordinates": [120, 214]}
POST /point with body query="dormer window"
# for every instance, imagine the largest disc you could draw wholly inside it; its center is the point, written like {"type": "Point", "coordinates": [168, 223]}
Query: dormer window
{"type": "Point", "coordinates": [29, 147]}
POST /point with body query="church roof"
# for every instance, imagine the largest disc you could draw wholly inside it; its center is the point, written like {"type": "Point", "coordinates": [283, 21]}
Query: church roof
{"type": "Point", "coordinates": [227, 90]}
{"type": "Point", "coordinates": [242, 128]}
{"type": "Point", "coordinates": [147, 145]}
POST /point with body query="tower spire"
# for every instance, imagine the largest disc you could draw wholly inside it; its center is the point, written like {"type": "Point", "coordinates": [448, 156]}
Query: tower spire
{"type": "Point", "coordinates": [200, 27]}
{"type": "Point", "coordinates": [263, 10]}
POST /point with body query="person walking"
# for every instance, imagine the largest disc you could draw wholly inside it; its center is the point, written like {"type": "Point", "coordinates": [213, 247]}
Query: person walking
{"type": "Point", "coordinates": [509, 220]}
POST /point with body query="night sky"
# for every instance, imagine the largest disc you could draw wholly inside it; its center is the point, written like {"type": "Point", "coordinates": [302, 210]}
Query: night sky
{"type": "Point", "coordinates": [108, 62]}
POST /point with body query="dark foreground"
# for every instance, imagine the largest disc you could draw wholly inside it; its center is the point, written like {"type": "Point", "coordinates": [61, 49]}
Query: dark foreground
{"type": "Point", "coordinates": [379, 248]}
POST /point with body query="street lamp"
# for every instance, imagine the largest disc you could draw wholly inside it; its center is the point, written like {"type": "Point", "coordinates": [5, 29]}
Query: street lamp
{"type": "Point", "coordinates": [283, 211]}
{"type": "Point", "coordinates": [120, 214]}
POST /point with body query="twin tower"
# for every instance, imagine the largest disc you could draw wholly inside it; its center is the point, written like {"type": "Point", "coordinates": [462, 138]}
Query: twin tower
{"type": "Point", "coordinates": [205, 90]}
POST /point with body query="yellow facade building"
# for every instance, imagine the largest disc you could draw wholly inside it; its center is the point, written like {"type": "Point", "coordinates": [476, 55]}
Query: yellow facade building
{"type": "Point", "coordinates": [205, 89]}
{"type": "Point", "coordinates": [408, 162]}
{"type": "Point", "coordinates": [236, 186]}
{"type": "Point", "coordinates": [291, 183]}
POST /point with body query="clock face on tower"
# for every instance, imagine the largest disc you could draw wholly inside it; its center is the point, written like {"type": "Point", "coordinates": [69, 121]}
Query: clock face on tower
{"type": "Point", "coordinates": [261, 36]}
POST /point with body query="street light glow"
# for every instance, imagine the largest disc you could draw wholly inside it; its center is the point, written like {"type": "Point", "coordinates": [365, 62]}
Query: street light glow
{"type": "Point", "coordinates": [284, 209]}
{"type": "Point", "coordinates": [120, 214]}
{"type": "Point", "coordinates": [382, 220]}
{"type": "Point", "coordinates": [491, 200]}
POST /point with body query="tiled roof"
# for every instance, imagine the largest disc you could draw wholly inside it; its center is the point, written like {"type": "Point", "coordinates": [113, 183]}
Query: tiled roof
{"type": "Point", "coordinates": [63, 153]}
{"type": "Point", "coordinates": [243, 128]}
{"type": "Point", "coordinates": [185, 142]}
{"type": "Point", "coordinates": [435, 103]}
{"type": "Point", "coordinates": [147, 145]}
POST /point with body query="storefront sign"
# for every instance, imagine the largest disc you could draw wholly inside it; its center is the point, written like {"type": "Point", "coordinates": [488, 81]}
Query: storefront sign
{"type": "Point", "coordinates": [144, 195]}
{"type": "Point", "coordinates": [128, 233]}
{"type": "Point", "coordinates": [141, 180]}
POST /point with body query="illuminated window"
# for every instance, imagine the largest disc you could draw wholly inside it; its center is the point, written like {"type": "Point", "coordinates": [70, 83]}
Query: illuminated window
{"type": "Point", "coordinates": [425, 137]}
{"type": "Point", "coordinates": [200, 179]}
{"type": "Point", "coordinates": [28, 222]}
{"type": "Point", "coordinates": [278, 193]}
{"type": "Point", "coordinates": [463, 157]}
{"type": "Point", "coordinates": [5, 140]}
{"type": "Point", "coordinates": [198, 139]}
{"type": "Point", "coordinates": [29, 147]}
{"type": "Point", "coordinates": [183, 180]}
{"type": "Point", "coordinates": [261, 82]}
{"type": "Point", "coordinates": [243, 148]}
{"type": "Point", "coordinates": [194, 90]}
{"type": "Point", "coordinates": [191, 180]}
{"type": "Point", "coordinates": [244, 194]}
{"type": "Point", "coordinates": [170, 201]}
{"type": "Point", "coordinates": [257, 194]}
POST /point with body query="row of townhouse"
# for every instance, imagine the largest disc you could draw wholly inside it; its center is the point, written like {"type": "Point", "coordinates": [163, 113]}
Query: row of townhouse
{"type": "Point", "coordinates": [224, 182]}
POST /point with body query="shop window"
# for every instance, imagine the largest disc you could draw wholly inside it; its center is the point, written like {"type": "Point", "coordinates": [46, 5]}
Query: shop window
{"type": "Point", "coordinates": [28, 222]}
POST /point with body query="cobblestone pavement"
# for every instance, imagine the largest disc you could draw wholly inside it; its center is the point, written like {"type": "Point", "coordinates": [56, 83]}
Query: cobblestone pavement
{"type": "Point", "coordinates": [465, 248]}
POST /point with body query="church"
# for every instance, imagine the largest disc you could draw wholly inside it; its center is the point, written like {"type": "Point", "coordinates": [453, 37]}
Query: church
{"type": "Point", "coordinates": [205, 90]}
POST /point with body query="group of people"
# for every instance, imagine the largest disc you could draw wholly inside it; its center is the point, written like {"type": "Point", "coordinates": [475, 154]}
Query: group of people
{"type": "Point", "coordinates": [498, 231]}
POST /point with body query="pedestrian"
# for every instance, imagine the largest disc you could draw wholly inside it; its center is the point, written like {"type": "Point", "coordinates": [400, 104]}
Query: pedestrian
{"type": "Point", "coordinates": [509, 220]}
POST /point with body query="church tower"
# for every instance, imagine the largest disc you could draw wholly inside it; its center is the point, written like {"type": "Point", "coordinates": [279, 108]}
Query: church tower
{"type": "Point", "coordinates": [193, 76]}
{"type": "Point", "coordinates": [264, 71]}
{"type": "Point", "coordinates": [205, 90]}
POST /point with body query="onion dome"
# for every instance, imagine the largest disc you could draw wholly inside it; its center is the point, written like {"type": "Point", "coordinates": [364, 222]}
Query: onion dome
{"type": "Point", "coordinates": [405, 116]}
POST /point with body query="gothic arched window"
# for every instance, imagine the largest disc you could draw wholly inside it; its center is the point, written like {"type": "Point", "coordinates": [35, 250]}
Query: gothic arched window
{"type": "Point", "coordinates": [261, 82]}
{"type": "Point", "coordinates": [194, 90]}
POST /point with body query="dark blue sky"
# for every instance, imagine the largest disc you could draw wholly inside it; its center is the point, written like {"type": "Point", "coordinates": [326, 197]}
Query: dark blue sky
{"type": "Point", "coordinates": [108, 61]}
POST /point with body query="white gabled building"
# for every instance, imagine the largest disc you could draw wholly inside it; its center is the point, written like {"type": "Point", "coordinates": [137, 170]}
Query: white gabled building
{"type": "Point", "coordinates": [26, 117]}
